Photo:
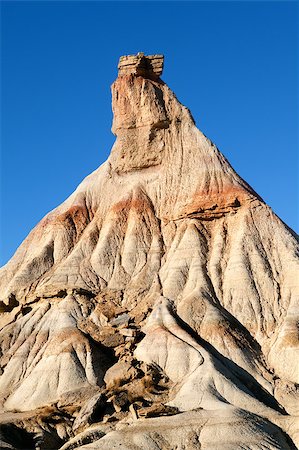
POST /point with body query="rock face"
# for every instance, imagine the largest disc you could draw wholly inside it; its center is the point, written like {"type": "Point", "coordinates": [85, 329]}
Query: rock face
{"type": "Point", "coordinates": [140, 65]}
{"type": "Point", "coordinates": [163, 286]}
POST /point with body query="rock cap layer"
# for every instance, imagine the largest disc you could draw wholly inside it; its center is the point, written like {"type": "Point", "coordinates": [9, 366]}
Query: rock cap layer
{"type": "Point", "coordinates": [150, 66]}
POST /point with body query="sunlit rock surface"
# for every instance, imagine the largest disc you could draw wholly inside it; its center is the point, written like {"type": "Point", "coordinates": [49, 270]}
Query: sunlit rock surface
{"type": "Point", "coordinates": [157, 307]}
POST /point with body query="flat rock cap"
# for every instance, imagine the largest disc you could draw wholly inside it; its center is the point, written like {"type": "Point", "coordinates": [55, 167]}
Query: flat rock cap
{"type": "Point", "coordinates": [150, 66]}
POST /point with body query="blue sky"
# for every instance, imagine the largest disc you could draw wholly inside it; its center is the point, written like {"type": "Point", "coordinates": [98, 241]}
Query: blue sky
{"type": "Point", "coordinates": [234, 64]}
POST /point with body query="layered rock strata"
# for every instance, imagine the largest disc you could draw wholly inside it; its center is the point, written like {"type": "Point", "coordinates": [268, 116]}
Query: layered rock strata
{"type": "Point", "coordinates": [163, 286]}
{"type": "Point", "coordinates": [140, 65]}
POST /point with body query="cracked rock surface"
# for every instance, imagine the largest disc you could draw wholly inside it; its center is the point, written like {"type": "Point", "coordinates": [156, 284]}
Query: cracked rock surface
{"type": "Point", "coordinates": [157, 307]}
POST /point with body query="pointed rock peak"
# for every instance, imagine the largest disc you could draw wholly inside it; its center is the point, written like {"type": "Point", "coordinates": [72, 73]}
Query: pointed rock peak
{"type": "Point", "coordinates": [155, 131]}
{"type": "Point", "coordinates": [150, 66]}
{"type": "Point", "coordinates": [146, 114]}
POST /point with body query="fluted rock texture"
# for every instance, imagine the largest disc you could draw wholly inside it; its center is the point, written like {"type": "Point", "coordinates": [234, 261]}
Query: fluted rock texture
{"type": "Point", "coordinates": [157, 307]}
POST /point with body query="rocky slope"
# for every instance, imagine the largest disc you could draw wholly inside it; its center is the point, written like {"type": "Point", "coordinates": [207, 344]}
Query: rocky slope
{"type": "Point", "coordinates": [157, 307]}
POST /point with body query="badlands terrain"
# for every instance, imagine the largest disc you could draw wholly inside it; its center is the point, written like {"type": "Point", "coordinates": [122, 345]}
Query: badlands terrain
{"type": "Point", "coordinates": [157, 307]}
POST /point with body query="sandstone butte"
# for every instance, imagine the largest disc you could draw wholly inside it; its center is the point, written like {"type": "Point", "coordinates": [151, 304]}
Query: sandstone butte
{"type": "Point", "coordinates": [155, 308]}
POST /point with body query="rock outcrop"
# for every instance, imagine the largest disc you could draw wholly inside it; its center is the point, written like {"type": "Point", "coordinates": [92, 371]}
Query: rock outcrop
{"type": "Point", "coordinates": [163, 286]}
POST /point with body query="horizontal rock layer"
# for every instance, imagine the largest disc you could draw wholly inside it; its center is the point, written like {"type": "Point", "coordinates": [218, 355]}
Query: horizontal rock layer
{"type": "Point", "coordinates": [145, 66]}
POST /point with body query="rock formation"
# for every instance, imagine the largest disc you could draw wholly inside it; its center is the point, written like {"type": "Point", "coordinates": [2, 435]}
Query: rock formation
{"type": "Point", "coordinates": [157, 307]}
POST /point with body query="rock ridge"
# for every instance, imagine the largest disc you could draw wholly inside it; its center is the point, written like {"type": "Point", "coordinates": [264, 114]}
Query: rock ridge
{"type": "Point", "coordinates": [163, 286]}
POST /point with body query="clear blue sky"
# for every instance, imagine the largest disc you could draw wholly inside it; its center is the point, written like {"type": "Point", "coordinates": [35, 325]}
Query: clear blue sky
{"type": "Point", "coordinates": [234, 64]}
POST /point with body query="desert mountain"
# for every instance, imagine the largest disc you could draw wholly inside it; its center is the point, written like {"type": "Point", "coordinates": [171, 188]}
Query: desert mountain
{"type": "Point", "coordinates": [157, 307]}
